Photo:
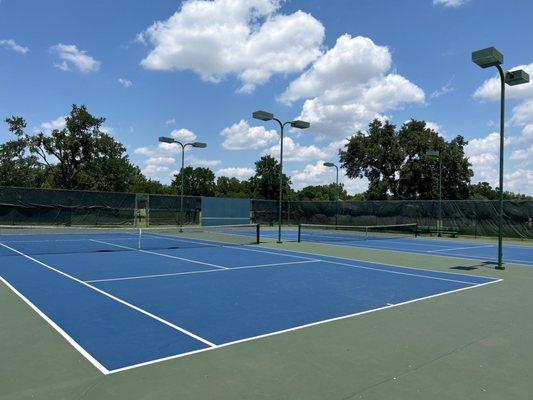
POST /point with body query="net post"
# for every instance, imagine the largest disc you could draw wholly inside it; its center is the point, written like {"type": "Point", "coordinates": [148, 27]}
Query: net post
{"type": "Point", "coordinates": [416, 230]}
{"type": "Point", "coordinates": [257, 234]}
{"type": "Point", "coordinates": [299, 233]}
{"type": "Point", "coordinates": [140, 238]}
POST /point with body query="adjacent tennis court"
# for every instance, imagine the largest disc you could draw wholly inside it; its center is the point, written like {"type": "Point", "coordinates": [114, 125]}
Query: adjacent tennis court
{"type": "Point", "coordinates": [401, 238]}
{"type": "Point", "coordinates": [127, 298]}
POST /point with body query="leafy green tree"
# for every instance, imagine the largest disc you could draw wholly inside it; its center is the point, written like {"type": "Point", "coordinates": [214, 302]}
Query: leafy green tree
{"type": "Point", "coordinates": [81, 155]}
{"type": "Point", "coordinates": [396, 166]}
{"type": "Point", "coordinates": [17, 167]}
{"type": "Point", "coordinates": [232, 187]}
{"type": "Point", "coordinates": [150, 186]}
{"type": "Point", "coordinates": [265, 183]}
{"type": "Point", "coordinates": [197, 182]}
{"type": "Point", "coordinates": [484, 191]}
{"type": "Point", "coordinates": [321, 193]}
{"type": "Point", "coordinates": [376, 155]}
{"type": "Point", "coordinates": [419, 175]}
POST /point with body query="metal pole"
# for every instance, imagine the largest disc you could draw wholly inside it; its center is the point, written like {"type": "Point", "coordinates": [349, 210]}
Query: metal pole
{"type": "Point", "coordinates": [338, 197]}
{"type": "Point", "coordinates": [440, 194]}
{"type": "Point", "coordinates": [502, 136]}
{"type": "Point", "coordinates": [182, 184]}
{"type": "Point", "coordinates": [280, 181]}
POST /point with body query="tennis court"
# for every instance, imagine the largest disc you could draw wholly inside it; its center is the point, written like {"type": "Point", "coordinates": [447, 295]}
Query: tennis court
{"type": "Point", "coordinates": [125, 299]}
{"type": "Point", "coordinates": [399, 239]}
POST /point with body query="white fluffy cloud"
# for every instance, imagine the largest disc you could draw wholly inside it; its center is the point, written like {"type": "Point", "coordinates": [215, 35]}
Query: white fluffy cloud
{"type": "Point", "coordinates": [183, 135]}
{"type": "Point", "coordinates": [70, 55]}
{"type": "Point", "coordinates": [247, 38]}
{"type": "Point", "coordinates": [241, 173]}
{"type": "Point", "coordinates": [161, 160]}
{"type": "Point", "coordinates": [125, 82]}
{"type": "Point", "coordinates": [348, 86]}
{"type": "Point", "coordinates": [293, 151]}
{"type": "Point", "coordinates": [58, 123]}
{"type": "Point", "coordinates": [199, 162]}
{"type": "Point", "coordinates": [242, 136]}
{"type": "Point", "coordinates": [518, 172]}
{"type": "Point", "coordinates": [450, 3]}
{"type": "Point", "coordinates": [318, 174]}
{"type": "Point", "coordinates": [11, 44]}
{"type": "Point", "coordinates": [490, 89]}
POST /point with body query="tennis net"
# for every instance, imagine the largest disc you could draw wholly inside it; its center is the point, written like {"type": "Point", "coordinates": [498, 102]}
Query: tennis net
{"type": "Point", "coordinates": [339, 233]}
{"type": "Point", "coordinates": [34, 240]}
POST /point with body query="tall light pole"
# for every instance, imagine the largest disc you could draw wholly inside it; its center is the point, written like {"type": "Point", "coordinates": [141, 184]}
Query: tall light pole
{"type": "Point", "coordinates": [266, 116]}
{"type": "Point", "coordinates": [436, 154]}
{"type": "Point", "coordinates": [330, 164]}
{"type": "Point", "coordinates": [490, 57]}
{"type": "Point", "coordinates": [199, 145]}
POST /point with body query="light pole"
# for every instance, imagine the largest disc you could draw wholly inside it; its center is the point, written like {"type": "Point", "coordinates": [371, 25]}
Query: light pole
{"type": "Point", "coordinates": [436, 154]}
{"type": "Point", "coordinates": [490, 57]}
{"type": "Point", "coordinates": [199, 145]}
{"type": "Point", "coordinates": [330, 164]}
{"type": "Point", "coordinates": [266, 116]}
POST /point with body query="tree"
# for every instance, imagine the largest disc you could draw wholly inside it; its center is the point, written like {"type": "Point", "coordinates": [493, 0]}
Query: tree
{"type": "Point", "coordinates": [484, 191]}
{"type": "Point", "coordinates": [321, 193]}
{"type": "Point", "coordinates": [197, 182]}
{"type": "Point", "coordinates": [265, 183]}
{"type": "Point", "coordinates": [150, 186]}
{"type": "Point", "coordinates": [17, 167]}
{"type": "Point", "coordinates": [232, 187]}
{"type": "Point", "coordinates": [81, 155]}
{"type": "Point", "coordinates": [376, 155]}
{"type": "Point", "coordinates": [419, 175]}
{"type": "Point", "coordinates": [396, 166]}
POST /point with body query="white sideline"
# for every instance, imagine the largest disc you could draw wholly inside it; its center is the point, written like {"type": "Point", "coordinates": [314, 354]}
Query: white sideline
{"type": "Point", "coordinates": [127, 278]}
{"type": "Point", "coordinates": [142, 311]}
{"type": "Point", "coordinates": [461, 248]}
{"type": "Point", "coordinates": [68, 338]}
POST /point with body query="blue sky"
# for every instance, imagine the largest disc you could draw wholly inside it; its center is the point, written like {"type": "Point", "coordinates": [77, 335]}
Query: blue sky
{"type": "Point", "coordinates": [198, 69]}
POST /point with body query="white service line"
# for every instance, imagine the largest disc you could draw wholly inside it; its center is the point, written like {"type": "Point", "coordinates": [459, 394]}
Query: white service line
{"type": "Point", "coordinates": [462, 248]}
{"type": "Point", "coordinates": [161, 254]}
{"type": "Point", "coordinates": [142, 311]}
{"type": "Point", "coordinates": [296, 328]}
{"type": "Point", "coordinates": [127, 278]}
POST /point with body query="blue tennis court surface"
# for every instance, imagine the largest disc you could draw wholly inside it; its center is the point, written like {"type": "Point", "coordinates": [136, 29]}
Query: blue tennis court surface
{"type": "Point", "coordinates": [513, 253]}
{"type": "Point", "coordinates": [130, 308]}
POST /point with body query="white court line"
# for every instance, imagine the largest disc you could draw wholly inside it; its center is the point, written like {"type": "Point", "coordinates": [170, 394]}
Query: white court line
{"type": "Point", "coordinates": [462, 248]}
{"type": "Point", "coordinates": [142, 311]}
{"type": "Point", "coordinates": [296, 328]}
{"type": "Point", "coordinates": [127, 278]}
{"type": "Point", "coordinates": [160, 254]}
{"type": "Point", "coordinates": [280, 252]}
{"type": "Point", "coordinates": [67, 337]}
{"type": "Point", "coordinates": [411, 252]}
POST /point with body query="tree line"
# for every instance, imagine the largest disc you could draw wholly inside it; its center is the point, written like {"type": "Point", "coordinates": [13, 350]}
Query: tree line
{"type": "Point", "coordinates": [82, 156]}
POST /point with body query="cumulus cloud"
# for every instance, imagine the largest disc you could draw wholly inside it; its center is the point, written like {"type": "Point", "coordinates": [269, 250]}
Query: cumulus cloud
{"type": "Point", "coordinates": [444, 90]}
{"type": "Point", "coordinates": [13, 45]}
{"type": "Point", "coordinates": [161, 160]}
{"type": "Point", "coordinates": [242, 136]}
{"type": "Point", "coordinates": [450, 3]}
{"type": "Point", "coordinates": [246, 38]}
{"type": "Point", "coordinates": [348, 86]}
{"type": "Point", "coordinates": [69, 55]}
{"type": "Point", "coordinates": [490, 89]}
{"type": "Point", "coordinates": [58, 123]}
{"type": "Point", "coordinates": [125, 82]}
{"type": "Point", "coordinates": [198, 162]}
{"type": "Point", "coordinates": [183, 135]}
{"type": "Point", "coordinates": [293, 151]}
{"type": "Point", "coordinates": [170, 121]}
{"type": "Point", "coordinates": [318, 174]}
{"type": "Point", "coordinates": [241, 173]}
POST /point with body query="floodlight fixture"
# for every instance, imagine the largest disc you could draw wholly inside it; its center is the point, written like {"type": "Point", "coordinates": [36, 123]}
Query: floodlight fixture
{"type": "Point", "coordinates": [263, 115]}
{"type": "Point", "coordinates": [489, 57]}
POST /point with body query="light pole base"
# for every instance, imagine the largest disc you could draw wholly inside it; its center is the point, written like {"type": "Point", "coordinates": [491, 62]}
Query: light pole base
{"type": "Point", "coordinates": [500, 267]}
{"type": "Point", "coordinates": [279, 242]}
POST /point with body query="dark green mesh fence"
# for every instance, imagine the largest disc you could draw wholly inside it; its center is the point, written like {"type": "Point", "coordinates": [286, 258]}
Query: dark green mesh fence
{"type": "Point", "coordinates": [470, 217]}
{"type": "Point", "coordinates": [164, 209]}
{"type": "Point", "coordinates": [24, 206]}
